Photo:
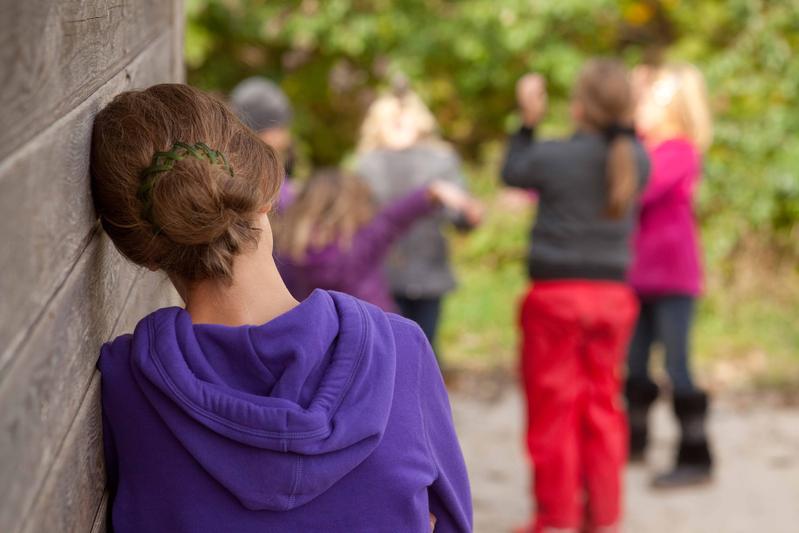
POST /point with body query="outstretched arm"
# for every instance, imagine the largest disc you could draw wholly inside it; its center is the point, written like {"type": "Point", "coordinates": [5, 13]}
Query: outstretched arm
{"type": "Point", "coordinates": [672, 166]}
{"type": "Point", "coordinates": [373, 240]}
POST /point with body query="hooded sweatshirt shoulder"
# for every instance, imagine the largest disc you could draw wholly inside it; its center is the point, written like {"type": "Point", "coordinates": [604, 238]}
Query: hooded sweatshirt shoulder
{"type": "Point", "coordinates": [287, 426]}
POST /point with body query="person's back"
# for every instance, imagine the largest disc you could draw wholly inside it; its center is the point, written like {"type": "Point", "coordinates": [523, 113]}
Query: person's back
{"type": "Point", "coordinates": [667, 258]}
{"type": "Point", "coordinates": [247, 410]}
{"type": "Point", "coordinates": [578, 313]}
{"type": "Point", "coordinates": [399, 150]}
{"type": "Point", "coordinates": [419, 263]}
{"type": "Point", "coordinates": [316, 424]}
{"type": "Point", "coordinates": [572, 238]}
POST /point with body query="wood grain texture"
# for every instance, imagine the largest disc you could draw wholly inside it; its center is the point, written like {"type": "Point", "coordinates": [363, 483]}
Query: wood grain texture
{"type": "Point", "coordinates": [47, 382]}
{"type": "Point", "coordinates": [43, 388]}
{"type": "Point", "coordinates": [46, 204]}
{"type": "Point", "coordinates": [72, 493]}
{"type": "Point", "coordinates": [100, 524]}
{"type": "Point", "coordinates": [64, 288]}
{"type": "Point", "coordinates": [178, 38]}
{"type": "Point", "coordinates": [54, 55]}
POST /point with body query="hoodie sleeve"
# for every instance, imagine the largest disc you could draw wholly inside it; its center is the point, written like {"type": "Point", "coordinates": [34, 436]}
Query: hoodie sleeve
{"type": "Point", "coordinates": [109, 452]}
{"type": "Point", "coordinates": [374, 239]}
{"type": "Point", "coordinates": [673, 164]}
{"type": "Point", "coordinates": [111, 468]}
{"type": "Point", "coordinates": [449, 496]}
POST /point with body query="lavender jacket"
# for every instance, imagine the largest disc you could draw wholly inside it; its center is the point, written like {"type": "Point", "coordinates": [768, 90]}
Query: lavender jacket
{"type": "Point", "coordinates": [357, 269]}
{"type": "Point", "coordinates": [332, 417]}
{"type": "Point", "coordinates": [667, 255]}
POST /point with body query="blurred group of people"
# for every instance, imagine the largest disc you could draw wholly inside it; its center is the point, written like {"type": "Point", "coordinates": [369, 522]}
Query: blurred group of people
{"type": "Point", "coordinates": [374, 232]}
{"type": "Point", "coordinates": [278, 399]}
{"type": "Point", "coordinates": [627, 175]}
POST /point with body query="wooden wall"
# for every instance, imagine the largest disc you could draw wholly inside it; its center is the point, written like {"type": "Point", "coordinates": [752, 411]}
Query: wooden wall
{"type": "Point", "coordinates": [64, 290]}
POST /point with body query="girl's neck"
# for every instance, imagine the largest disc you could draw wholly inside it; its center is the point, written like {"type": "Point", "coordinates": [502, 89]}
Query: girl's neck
{"type": "Point", "coordinates": [256, 296]}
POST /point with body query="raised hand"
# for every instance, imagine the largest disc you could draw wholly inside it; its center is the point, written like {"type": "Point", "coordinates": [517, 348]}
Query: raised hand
{"type": "Point", "coordinates": [531, 95]}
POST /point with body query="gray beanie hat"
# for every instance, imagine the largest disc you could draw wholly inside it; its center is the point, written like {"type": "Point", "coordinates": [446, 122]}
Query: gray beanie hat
{"type": "Point", "coordinates": [261, 104]}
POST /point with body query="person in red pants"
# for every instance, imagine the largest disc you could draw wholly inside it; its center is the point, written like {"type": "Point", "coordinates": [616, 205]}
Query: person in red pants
{"type": "Point", "coordinates": [578, 315]}
{"type": "Point", "coordinates": [574, 343]}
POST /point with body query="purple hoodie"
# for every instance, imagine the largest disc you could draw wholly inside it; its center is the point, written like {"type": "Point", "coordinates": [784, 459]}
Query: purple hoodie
{"type": "Point", "coordinates": [331, 417]}
{"type": "Point", "coordinates": [667, 256]}
{"type": "Point", "coordinates": [357, 269]}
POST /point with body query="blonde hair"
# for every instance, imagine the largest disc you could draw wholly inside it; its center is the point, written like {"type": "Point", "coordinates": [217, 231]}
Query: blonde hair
{"type": "Point", "coordinates": [331, 207]}
{"type": "Point", "coordinates": [681, 91]}
{"type": "Point", "coordinates": [604, 93]}
{"type": "Point", "coordinates": [190, 217]}
{"type": "Point", "coordinates": [384, 113]}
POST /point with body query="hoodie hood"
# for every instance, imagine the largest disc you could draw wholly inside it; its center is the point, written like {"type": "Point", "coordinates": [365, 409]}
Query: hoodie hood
{"type": "Point", "coordinates": [275, 413]}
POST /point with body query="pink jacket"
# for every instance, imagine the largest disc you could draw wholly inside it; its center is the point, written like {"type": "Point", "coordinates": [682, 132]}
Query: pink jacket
{"type": "Point", "coordinates": [667, 256]}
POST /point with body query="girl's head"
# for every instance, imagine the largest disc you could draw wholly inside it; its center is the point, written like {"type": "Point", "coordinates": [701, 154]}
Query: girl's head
{"type": "Point", "coordinates": [330, 208]}
{"type": "Point", "coordinates": [190, 210]}
{"type": "Point", "coordinates": [674, 103]}
{"type": "Point", "coordinates": [396, 121]}
{"type": "Point", "coordinates": [602, 102]}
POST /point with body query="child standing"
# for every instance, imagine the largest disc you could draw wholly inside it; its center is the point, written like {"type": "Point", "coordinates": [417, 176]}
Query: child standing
{"type": "Point", "coordinates": [400, 151]}
{"type": "Point", "coordinates": [246, 410]}
{"type": "Point", "coordinates": [674, 120]}
{"type": "Point", "coordinates": [334, 237]}
{"type": "Point", "coordinates": [578, 315]}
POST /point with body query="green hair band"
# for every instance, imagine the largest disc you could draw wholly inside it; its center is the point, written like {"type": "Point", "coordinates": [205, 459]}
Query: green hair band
{"type": "Point", "coordinates": [165, 161]}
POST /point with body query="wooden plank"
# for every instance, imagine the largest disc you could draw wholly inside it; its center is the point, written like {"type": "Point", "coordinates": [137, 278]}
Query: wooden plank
{"type": "Point", "coordinates": [56, 54]}
{"type": "Point", "coordinates": [153, 291]}
{"type": "Point", "coordinates": [43, 387]}
{"type": "Point", "coordinates": [178, 38]}
{"type": "Point", "coordinates": [101, 518]}
{"type": "Point", "coordinates": [71, 496]}
{"type": "Point", "coordinates": [46, 202]}
{"type": "Point", "coordinates": [72, 493]}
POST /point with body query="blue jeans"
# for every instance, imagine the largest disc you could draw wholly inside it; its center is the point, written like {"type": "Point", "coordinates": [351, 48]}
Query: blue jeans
{"type": "Point", "coordinates": [423, 311]}
{"type": "Point", "coordinates": [666, 320]}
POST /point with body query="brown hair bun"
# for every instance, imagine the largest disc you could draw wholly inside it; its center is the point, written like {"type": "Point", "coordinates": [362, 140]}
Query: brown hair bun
{"type": "Point", "coordinates": [195, 216]}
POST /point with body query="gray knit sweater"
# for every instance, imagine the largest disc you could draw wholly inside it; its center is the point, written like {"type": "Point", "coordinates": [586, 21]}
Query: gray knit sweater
{"type": "Point", "coordinates": [571, 237]}
{"type": "Point", "coordinates": [418, 265]}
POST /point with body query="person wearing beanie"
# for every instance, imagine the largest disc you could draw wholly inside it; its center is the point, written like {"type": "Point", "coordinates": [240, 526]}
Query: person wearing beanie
{"type": "Point", "coordinates": [263, 106]}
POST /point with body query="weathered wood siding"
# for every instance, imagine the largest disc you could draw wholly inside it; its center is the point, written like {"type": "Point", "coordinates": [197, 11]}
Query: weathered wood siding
{"type": "Point", "coordinates": [64, 289]}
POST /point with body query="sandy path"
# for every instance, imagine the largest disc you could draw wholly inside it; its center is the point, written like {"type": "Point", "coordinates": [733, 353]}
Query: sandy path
{"type": "Point", "coordinates": [756, 487]}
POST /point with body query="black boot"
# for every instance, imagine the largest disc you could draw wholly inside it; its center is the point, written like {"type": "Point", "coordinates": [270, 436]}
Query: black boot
{"type": "Point", "coordinates": [694, 464]}
{"type": "Point", "coordinates": [641, 394]}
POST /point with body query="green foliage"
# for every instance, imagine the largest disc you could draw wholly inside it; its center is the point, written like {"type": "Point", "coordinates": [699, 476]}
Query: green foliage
{"type": "Point", "coordinates": [747, 49]}
{"type": "Point", "coordinates": [464, 57]}
{"type": "Point", "coordinates": [333, 56]}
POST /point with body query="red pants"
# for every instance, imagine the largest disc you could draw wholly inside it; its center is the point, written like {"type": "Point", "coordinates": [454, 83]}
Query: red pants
{"type": "Point", "coordinates": [574, 341]}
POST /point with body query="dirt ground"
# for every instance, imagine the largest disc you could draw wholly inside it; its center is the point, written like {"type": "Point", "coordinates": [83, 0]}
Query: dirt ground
{"type": "Point", "coordinates": [756, 487]}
